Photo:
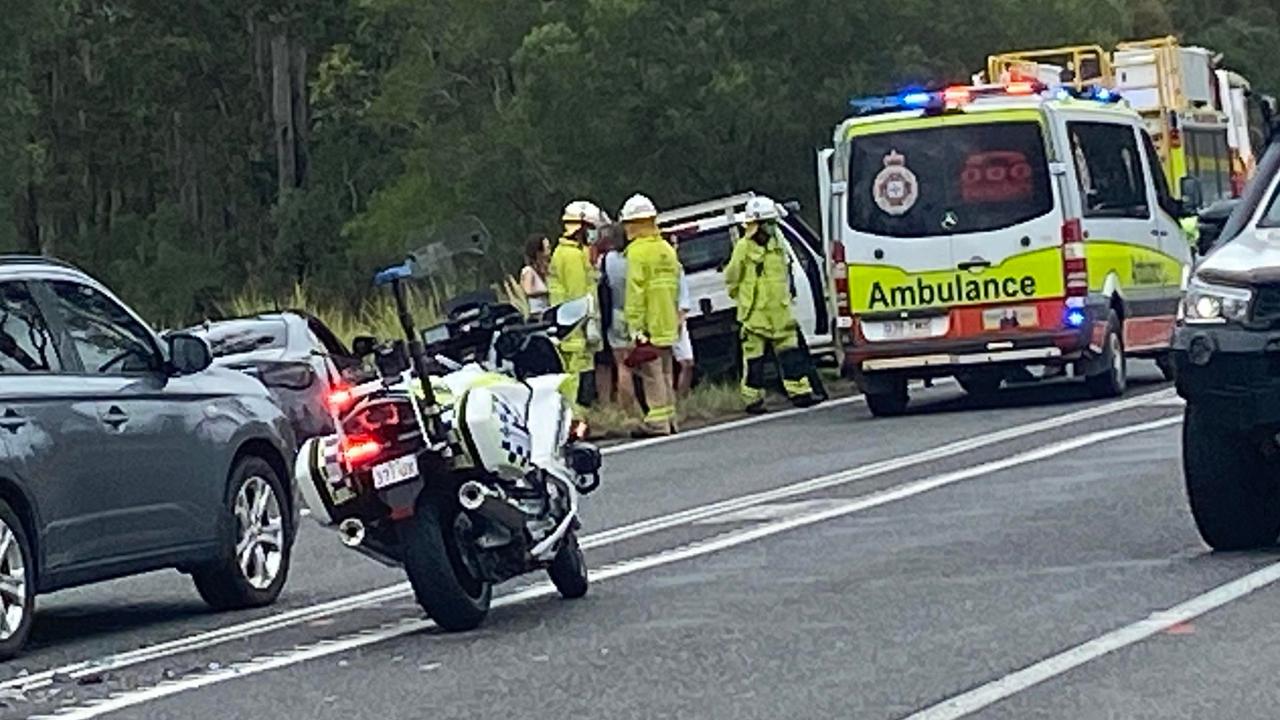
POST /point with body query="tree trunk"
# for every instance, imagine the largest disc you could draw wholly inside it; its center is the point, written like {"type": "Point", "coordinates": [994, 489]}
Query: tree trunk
{"type": "Point", "coordinates": [26, 214]}
{"type": "Point", "coordinates": [283, 114]}
{"type": "Point", "coordinates": [301, 109]}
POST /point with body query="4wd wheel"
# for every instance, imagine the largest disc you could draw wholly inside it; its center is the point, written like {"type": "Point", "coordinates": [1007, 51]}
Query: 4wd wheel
{"type": "Point", "coordinates": [981, 383]}
{"type": "Point", "coordinates": [442, 582]}
{"type": "Point", "coordinates": [1112, 380]}
{"type": "Point", "coordinates": [17, 584]}
{"type": "Point", "coordinates": [1231, 485]}
{"type": "Point", "coordinates": [568, 570]}
{"type": "Point", "coordinates": [889, 400]}
{"type": "Point", "coordinates": [255, 555]}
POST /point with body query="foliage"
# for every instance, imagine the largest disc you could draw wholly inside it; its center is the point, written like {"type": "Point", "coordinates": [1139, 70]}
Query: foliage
{"type": "Point", "coordinates": [149, 141]}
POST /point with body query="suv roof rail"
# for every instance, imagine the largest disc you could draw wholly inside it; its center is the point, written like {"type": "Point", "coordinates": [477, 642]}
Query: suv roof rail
{"type": "Point", "coordinates": [19, 259]}
{"type": "Point", "coordinates": [718, 206]}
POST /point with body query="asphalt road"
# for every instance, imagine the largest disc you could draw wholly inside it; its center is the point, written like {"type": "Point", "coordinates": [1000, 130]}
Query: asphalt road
{"type": "Point", "coordinates": [1021, 557]}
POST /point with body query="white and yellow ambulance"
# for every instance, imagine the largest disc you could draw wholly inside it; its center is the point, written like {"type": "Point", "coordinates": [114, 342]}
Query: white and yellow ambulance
{"type": "Point", "coordinates": [991, 232]}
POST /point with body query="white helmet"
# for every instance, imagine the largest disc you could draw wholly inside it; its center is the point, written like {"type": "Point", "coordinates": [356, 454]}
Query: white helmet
{"type": "Point", "coordinates": [761, 208]}
{"type": "Point", "coordinates": [584, 212]}
{"type": "Point", "coordinates": [638, 207]}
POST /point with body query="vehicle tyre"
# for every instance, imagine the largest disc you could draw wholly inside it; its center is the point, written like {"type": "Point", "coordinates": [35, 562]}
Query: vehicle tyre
{"type": "Point", "coordinates": [17, 584]}
{"type": "Point", "coordinates": [1231, 485]}
{"type": "Point", "coordinates": [1167, 368]}
{"type": "Point", "coordinates": [254, 559]}
{"type": "Point", "coordinates": [888, 401]}
{"type": "Point", "coordinates": [442, 583]}
{"type": "Point", "coordinates": [981, 384]}
{"type": "Point", "coordinates": [568, 570]}
{"type": "Point", "coordinates": [1113, 379]}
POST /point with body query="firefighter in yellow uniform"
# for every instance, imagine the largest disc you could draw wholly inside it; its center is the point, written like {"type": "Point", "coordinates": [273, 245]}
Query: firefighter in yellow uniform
{"type": "Point", "coordinates": [570, 277]}
{"type": "Point", "coordinates": [653, 277]}
{"type": "Point", "coordinates": [759, 281]}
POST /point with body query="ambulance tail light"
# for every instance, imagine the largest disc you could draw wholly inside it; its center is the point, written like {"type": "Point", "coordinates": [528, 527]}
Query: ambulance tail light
{"type": "Point", "coordinates": [1075, 272]}
{"type": "Point", "coordinates": [840, 278]}
{"type": "Point", "coordinates": [956, 96]}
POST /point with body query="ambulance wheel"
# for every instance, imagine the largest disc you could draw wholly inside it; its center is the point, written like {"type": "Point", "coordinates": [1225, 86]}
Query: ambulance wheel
{"type": "Point", "coordinates": [568, 570]}
{"type": "Point", "coordinates": [1231, 486]}
{"type": "Point", "coordinates": [888, 399]}
{"type": "Point", "coordinates": [1111, 380]}
{"type": "Point", "coordinates": [981, 384]}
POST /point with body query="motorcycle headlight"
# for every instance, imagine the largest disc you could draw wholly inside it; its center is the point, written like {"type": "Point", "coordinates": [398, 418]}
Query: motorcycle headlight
{"type": "Point", "coordinates": [1209, 303]}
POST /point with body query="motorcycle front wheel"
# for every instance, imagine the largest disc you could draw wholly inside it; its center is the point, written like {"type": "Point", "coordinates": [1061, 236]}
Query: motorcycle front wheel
{"type": "Point", "coordinates": [442, 583]}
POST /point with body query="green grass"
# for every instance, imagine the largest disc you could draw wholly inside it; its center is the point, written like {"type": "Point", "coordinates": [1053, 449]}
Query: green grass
{"type": "Point", "coordinates": [375, 315]}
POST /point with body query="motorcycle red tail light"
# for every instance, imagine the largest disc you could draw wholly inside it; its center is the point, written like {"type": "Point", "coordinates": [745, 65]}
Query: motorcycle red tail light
{"type": "Point", "coordinates": [358, 450]}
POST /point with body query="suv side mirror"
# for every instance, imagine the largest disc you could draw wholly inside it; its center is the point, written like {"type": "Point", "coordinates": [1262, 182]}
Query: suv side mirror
{"type": "Point", "coordinates": [188, 354]}
{"type": "Point", "coordinates": [1192, 196]}
{"type": "Point", "coordinates": [364, 346]}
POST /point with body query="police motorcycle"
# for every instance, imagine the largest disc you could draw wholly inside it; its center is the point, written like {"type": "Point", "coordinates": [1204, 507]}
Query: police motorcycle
{"type": "Point", "coordinates": [458, 459]}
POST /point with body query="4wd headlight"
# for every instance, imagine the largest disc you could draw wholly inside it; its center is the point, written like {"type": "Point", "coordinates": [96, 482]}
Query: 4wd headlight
{"type": "Point", "coordinates": [1209, 303]}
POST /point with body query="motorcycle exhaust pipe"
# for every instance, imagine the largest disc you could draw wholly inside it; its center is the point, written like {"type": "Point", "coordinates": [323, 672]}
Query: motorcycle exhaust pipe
{"type": "Point", "coordinates": [485, 501]}
{"type": "Point", "coordinates": [472, 495]}
{"type": "Point", "coordinates": [351, 531]}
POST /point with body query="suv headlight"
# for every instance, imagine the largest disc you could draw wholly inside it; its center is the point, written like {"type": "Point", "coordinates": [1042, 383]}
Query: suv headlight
{"type": "Point", "coordinates": [1209, 303]}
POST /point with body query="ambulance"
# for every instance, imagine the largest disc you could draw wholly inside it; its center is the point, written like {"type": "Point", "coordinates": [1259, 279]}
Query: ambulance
{"type": "Point", "coordinates": [999, 232]}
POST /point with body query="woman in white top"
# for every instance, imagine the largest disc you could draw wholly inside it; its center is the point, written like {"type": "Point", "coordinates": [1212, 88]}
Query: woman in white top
{"type": "Point", "coordinates": [533, 278]}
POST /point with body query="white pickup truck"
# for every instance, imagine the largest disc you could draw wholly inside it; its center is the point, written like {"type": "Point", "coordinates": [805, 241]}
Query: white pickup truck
{"type": "Point", "coordinates": [706, 233]}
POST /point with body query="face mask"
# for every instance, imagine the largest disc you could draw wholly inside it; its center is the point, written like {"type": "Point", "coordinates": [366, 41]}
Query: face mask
{"type": "Point", "coordinates": [592, 235]}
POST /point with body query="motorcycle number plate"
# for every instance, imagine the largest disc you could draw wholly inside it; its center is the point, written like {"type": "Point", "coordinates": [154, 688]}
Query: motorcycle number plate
{"type": "Point", "coordinates": [395, 471]}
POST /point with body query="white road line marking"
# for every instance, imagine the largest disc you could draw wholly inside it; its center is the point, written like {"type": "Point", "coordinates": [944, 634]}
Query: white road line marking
{"type": "Point", "coordinates": [131, 698]}
{"type": "Point", "coordinates": [731, 425]}
{"type": "Point", "coordinates": [772, 511]}
{"type": "Point", "coordinates": [402, 590]}
{"type": "Point", "coordinates": [876, 468]}
{"type": "Point", "coordinates": [993, 692]}
{"type": "Point", "coordinates": [746, 422]}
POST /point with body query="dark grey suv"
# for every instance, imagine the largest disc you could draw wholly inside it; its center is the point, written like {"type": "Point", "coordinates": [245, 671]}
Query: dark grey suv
{"type": "Point", "coordinates": [120, 454]}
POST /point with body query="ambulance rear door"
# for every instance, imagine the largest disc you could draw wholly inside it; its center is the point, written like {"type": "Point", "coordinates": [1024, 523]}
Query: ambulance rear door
{"type": "Point", "coordinates": [950, 211]}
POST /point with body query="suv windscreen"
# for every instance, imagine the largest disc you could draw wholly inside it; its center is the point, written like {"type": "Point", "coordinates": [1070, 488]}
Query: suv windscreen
{"type": "Point", "coordinates": [948, 180]}
{"type": "Point", "coordinates": [705, 251]}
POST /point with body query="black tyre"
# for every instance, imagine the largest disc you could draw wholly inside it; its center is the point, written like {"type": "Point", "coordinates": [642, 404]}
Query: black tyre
{"type": "Point", "coordinates": [1167, 368]}
{"type": "Point", "coordinates": [17, 584]}
{"type": "Point", "coordinates": [253, 563]}
{"type": "Point", "coordinates": [568, 570]}
{"type": "Point", "coordinates": [1112, 380]}
{"type": "Point", "coordinates": [443, 584]}
{"type": "Point", "coordinates": [890, 400]}
{"type": "Point", "coordinates": [981, 383]}
{"type": "Point", "coordinates": [1231, 485]}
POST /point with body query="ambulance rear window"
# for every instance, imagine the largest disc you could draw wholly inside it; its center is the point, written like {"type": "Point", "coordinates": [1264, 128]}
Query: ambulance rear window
{"type": "Point", "coordinates": [948, 180]}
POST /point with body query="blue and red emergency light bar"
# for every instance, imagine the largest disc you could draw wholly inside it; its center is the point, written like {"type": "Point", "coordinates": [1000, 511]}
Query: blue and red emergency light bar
{"type": "Point", "coordinates": [957, 96]}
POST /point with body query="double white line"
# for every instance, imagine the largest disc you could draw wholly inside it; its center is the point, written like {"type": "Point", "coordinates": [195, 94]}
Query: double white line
{"type": "Point", "coordinates": [401, 591]}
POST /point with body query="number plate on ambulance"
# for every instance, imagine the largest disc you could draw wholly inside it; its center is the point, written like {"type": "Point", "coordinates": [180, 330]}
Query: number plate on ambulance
{"type": "Point", "coordinates": [395, 471]}
{"type": "Point", "coordinates": [908, 329]}
{"type": "Point", "coordinates": [1010, 318]}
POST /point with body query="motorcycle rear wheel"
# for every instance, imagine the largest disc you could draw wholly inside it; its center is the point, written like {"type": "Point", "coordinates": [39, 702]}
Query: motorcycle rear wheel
{"type": "Point", "coordinates": [442, 583]}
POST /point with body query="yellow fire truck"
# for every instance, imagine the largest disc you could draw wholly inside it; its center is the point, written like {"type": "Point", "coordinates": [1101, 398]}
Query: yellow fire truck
{"type": "Point", "coordinates": [1204, 119]}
